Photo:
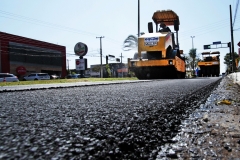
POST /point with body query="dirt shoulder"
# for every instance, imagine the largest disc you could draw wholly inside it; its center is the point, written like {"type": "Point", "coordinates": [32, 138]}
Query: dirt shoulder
{"type": "Point", "coordinates": [213, 131]}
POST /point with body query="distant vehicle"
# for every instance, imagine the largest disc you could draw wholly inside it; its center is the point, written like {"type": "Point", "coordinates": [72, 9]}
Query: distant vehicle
{"type": "Point", "coordinates": [7, 77]}
{"type": "Point", "coordinates": [87, 75]}
{"type": "Point", "coordinates": [36, 76]}
{"type": "Point", "coordinates": [54, 76]}
{"type": "Point", "coordinates": [73, 76]}
{"type": "Point", "coordinates": [210, 65]}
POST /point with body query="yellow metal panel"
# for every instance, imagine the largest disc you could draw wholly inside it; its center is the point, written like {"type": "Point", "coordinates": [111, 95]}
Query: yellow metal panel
{"type": "Point", "coordinates": [158, 47]}
{"type": "Point", "coordinates": [180, 65]}
{"type": "Point", "coordinates": [163, 41]}
{"type": "Point", "coordinates": [152, 63]}
{"type": "Point", "coordinates": [208, 63]}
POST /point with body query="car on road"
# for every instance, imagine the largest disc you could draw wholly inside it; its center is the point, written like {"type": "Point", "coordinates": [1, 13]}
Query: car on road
{"type": "Point", "coordinates": [73, 76]}
{"type": "Point", "coordinates": [54, 76]}
{"type": "Point", "coordinates": [86, 76]}
{"type": "Point", "coordinates": [8, 77]}
{"type": "Point", "coordinates": [36, 76]}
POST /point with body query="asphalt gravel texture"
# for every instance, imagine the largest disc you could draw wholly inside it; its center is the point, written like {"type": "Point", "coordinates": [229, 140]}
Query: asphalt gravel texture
{"type": "Point", "coordinates": [115, 121]}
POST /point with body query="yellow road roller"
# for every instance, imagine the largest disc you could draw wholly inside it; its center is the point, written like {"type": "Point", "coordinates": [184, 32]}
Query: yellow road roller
{"type": "Point", "coordinates": [210, 64]}
{"type": "Point", "coordinates": [158, 53]}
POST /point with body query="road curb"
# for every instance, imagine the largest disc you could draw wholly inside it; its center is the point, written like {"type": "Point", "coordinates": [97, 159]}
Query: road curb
{"type": "Point", "coordinates": [63, 85]}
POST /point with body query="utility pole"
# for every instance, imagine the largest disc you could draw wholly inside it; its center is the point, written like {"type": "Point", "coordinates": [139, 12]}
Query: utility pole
{"type": "Point", "coordinates": [233, 56]}
{"type": "Point", "coordinates": [121, 65]}
{"type": "Point", "coordinates": [68, 64]}
{"type": "Point", "coordinates": [101, 76]}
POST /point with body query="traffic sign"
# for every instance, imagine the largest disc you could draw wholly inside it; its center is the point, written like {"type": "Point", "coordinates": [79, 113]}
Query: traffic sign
{"type": "Point", "coordinates": [207, 46]}
{"type": "Point", "coordinates": [217, 42]}
{"type": "Point", "coordinates": [238, 44]}
{"type": "Point", "coordinates": [111, 56]}
{"type": "Point", "coordinates": [21, 70]}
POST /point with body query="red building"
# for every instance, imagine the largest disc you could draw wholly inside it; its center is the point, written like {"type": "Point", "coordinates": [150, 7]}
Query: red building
{"type": "Point", "coordinates": [22, 56]}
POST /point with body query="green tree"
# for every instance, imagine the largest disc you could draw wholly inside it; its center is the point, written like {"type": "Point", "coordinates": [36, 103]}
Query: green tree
{"type": "Point", "coordinates": [228, 61]}
{"type": "Point", "coordinates": [108, 69]}
{"type": "Point", "coordinates": [193, 55]}
{"type": "Point", "coordinates": [187, 61]}
{"type": "Point", "coordinates": [96, 68]}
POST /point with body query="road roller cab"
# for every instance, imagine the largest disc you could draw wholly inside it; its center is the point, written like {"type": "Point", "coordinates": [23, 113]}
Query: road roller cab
{"type": "Point", "coordinates": [158, 52]}
{"type": "Point", "coordinates": [210, 64]}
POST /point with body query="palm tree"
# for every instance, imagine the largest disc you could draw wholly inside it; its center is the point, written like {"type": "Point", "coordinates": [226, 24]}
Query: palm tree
{"type": "Point", "coordinates": [187, 61]}
{"type": "Point", "coordinates": [131, 42]}
{"type": "Point", "coordinates": [193, 56]}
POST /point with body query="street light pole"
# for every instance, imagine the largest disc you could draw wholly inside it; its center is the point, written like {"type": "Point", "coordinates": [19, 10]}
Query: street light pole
{"type": "Point", "coordinates": [138, 18]}
{"type": "Point", "coordinates": [192, 41]}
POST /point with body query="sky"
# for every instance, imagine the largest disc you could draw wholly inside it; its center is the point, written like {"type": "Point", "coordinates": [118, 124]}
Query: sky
{"type": "Point", "coordinates": [67, 22]}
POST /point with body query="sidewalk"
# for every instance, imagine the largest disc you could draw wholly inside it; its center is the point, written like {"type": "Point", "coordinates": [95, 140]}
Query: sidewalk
{"type": "Point", "coordinates": [235, 77]}
{"type": "Point", "coordinates": [215, 132]}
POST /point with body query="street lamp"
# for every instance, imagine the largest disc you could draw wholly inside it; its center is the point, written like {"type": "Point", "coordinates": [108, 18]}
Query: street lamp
{"type": "Point", "coordinates": [192, 41]}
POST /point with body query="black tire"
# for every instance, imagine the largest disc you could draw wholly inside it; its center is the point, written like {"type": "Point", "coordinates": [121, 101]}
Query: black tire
{"type": "Point", "coordinates": [183, 75]}
{"type": "Point", "coordinates": [212, 72]}
{"type": "Point", "coordinates": [178, 74]}
{"type": "Point", "coordinates": [203, 72]}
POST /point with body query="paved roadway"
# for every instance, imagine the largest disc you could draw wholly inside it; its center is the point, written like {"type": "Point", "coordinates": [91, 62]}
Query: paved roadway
{"type": "Point", "coordinates": [100, 120]}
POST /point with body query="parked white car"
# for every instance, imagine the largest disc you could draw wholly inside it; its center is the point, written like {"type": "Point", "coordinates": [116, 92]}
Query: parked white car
{"type": "Point", "coordinates": [36, 76]}
{"type": "Point", "coordinates": [7, 77]}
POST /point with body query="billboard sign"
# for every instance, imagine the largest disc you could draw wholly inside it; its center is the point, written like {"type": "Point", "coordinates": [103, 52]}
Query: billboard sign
{"type": "Point", "coordinates": [81, 64]}
{"type": "Point", "coordinates": [80, 49]}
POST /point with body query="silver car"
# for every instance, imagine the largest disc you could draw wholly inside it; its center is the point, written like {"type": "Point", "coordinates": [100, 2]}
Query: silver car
{"type": "Point", "coordinates": [36, 76]}
{"type": "Point", "coordinates": [7, 77]}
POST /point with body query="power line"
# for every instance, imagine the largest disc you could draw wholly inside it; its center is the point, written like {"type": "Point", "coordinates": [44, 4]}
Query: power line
{"type": "Point", "coordinates": [31, 20]}
{"type": "Point", "coordinates": [36, 21]}
{"type": "Point", "coordinates": [200, 30]}
{"type": "Point", "coordinates": [235, 12]}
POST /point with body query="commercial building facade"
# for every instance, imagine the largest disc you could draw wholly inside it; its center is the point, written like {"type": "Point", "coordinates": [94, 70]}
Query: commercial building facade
{"type": "Point", "coordinates": [22, 56]}
{"type": "Point", "coordinates": [116, 69]}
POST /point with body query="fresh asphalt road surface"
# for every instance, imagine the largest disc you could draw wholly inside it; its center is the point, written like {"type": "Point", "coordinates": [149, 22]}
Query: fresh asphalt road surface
{"type": "Point", "coordinates": [113, 121]}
